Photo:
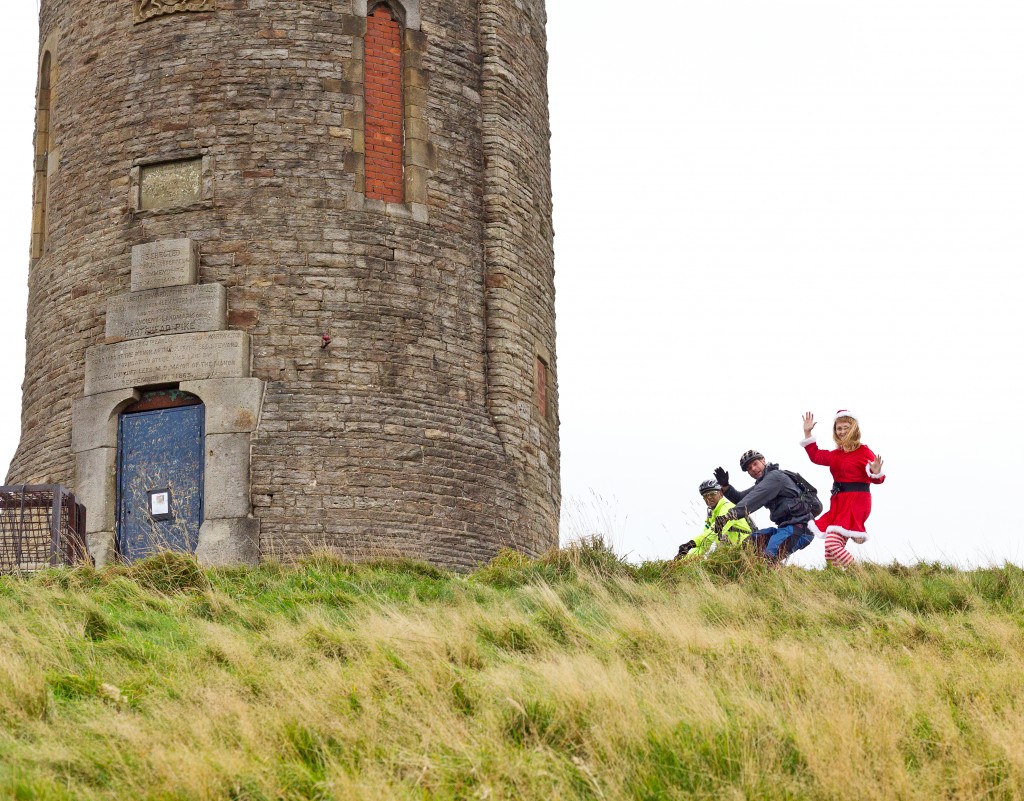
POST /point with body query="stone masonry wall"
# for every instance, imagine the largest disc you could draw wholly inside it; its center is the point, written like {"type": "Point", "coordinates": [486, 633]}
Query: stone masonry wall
{"type": "Point", "coordinates": [413, 432]}
{"type": "Point", "coordinates": [518, 241]}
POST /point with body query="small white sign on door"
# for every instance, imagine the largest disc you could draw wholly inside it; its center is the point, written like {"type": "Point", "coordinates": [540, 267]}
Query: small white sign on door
{"type": "Point", "coordinates": [159, 502]}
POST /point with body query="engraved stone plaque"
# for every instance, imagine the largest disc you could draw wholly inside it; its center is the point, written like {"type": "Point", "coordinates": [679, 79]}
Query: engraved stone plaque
{"type": "Point", "coordinates": [145, 9]}
{"type": "Point", "coordinates": [169, 310]}
{"type": "Point", "coordinates": [171, 183]}
{"type": "Point", "coordinates": [166, 359]}
{"type": "Point", "coordinates": [170, 262]}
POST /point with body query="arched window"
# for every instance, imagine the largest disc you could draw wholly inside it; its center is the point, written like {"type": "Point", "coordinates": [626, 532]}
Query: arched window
{"type": "Point", "coordinates": [42, 157]}
{"type": "Point", "coordinates": [384, 126]}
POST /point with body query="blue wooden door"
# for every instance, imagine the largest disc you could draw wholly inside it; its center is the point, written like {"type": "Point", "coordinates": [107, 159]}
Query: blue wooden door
{"type": "Point", "coordinates": [160, 480]}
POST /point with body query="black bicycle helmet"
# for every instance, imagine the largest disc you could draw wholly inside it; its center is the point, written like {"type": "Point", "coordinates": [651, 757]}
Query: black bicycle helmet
{"type": "Point", "coordinates": [748, 457]}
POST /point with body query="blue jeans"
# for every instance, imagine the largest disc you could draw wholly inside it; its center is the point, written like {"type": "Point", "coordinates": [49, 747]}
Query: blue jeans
{"type": "Point", "coordinates": [778, 543]}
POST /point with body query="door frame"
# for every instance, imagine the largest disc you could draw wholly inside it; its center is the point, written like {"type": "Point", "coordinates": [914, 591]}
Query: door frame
{"type": "Point", "coordinates": [149, 402]}
{"type": "Point", "coordinates": [230, 534]}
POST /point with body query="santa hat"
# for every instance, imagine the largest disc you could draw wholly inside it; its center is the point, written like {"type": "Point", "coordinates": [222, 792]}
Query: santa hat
{"type": "Point", "coordinates": [846, 413]}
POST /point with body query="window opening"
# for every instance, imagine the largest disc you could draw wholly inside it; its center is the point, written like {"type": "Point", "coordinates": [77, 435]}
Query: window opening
{"type": "Point", "coordinates": [542, 387]}
{"type": "Point", "coordinates": [42, 157]}
{"type": "Point", "coordinates": [384, 126]}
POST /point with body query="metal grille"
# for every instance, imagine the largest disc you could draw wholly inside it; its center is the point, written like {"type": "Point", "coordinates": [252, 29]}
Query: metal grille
{"type": "Point", "coordinates": [41, 526]}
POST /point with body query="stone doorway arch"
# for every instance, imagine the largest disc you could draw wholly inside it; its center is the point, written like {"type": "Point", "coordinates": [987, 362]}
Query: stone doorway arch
{"type": "Point", "coordinates": [228, 533]}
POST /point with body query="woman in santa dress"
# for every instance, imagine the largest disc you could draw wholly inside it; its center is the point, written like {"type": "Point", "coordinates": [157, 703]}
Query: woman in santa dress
{"type": "Point", "coordinates": [854, 469]}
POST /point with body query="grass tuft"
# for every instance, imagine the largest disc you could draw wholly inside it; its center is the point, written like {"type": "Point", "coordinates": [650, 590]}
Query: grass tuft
{"type": "Point", "coordinates": [168, 572]}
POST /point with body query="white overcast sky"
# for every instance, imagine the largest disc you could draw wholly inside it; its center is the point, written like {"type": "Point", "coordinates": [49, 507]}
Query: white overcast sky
{"type": "Point", "coordinates": [761, 208]}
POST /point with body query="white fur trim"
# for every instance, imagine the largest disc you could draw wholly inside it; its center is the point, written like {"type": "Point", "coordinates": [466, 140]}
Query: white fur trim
{"type": "Point", "coordinates": [805, 442]}
{"type": "Point", "coordinates": [817, 532]}
{"type": "Point", "coordinates": [846, 413]}
{"type": "Point", "coordinates": [853, 535]}
{"type": "Point", "coordinates": [867, 468]}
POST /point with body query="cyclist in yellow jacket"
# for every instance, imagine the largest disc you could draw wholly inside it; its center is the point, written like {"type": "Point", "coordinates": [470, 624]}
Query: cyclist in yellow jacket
{"type": "Point", "coordinates": [733, 532]}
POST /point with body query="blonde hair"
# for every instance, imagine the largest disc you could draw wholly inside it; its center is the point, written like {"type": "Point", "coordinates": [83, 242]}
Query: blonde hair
{"type": "Point", "coordinates": [851, 441]}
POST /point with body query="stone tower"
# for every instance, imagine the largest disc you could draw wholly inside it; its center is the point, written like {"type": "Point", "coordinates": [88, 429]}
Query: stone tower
{"type": "Point", "coordinates": [326, 226]}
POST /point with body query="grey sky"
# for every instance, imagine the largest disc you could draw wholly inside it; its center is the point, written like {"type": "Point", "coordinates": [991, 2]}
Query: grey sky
{"type": "Point", "coordinates": [760, 208]}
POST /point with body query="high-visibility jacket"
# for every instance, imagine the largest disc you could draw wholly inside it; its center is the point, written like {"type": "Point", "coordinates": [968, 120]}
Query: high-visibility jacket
{"type": "Point", "coordinates": [736, 531]}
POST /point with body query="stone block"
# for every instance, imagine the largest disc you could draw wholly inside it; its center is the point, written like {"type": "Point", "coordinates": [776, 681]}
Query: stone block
{"type": "Point", "coordinates": [232, 404]}
{"type": "Point", "coordinates": [352, 119]}
{"type": "Point", "coordinates": [416, 78]}
{"type": "Point", "coordinates": [166, 359]}
{"type": "Point", "coordinates": [229, 541]}
{"type": "Point", "coordinates": [416, 97]}
{"type": "Point", "coordinates": [420, 212]}
{"type": "Point", "coordinates": [417, 129]}
{"type": "Point", "coordinates": [418, 153]}
{"type": "Point", "coordinates": [144, 10]}
{"type": "Point", "coordinates": [415, 184]}
{"type": "Point", "coordinates": [168, 262]}
{"type": "Point", "coordinates": [100, 545]}
{"type": "Point", "coordinates": [167, 310]}
{"type": "Point", "coordinates": [171, 184]}
{"type": "Point", "coordinates": [226, 481]}
{"type": "Point", "coordinates": [95, 477]}
{"type": "Point", "coordinates": [94, 419]}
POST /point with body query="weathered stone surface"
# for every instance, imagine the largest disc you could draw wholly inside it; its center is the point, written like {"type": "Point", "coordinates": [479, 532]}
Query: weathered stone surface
{"type": "Point", "coordinates": [168, 310]}
{"type": "Point", "coordinates": [234, 541]}
{"type": "Point", "coordinates": [411, 8]}
{"type": "Point", "coordinates": [172, 358]}
{"type": "Point", "coordinates": [232, 404]}
{"type": "Point", "coordinates": [145, 9]}
{"type": "Point", "coordinates": [168, 262]}
{"type": "Point", "coordinates": [100, 545]}
{"type": "Point", "coordinates": [171, 184]}
{"type": "Point", "coordinates": [518, 242]}
{"type": "Point", "coordinates": [95, 419]}
{"type": "Point", "coordinates": [94, 487]}
{"type": "Point", "coordinates": [226, 476]}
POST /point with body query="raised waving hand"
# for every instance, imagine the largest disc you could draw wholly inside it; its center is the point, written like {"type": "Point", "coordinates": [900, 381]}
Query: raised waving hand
{"type": "Point", "coordinates": [809, 424]}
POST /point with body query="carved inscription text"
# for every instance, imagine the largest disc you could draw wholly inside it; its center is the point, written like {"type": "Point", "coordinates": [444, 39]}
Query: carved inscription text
{"type": "Point", "coordinates": [167, 262]}
{"type": "Point", "coordinates": [145, 9]}
{"type": "Point", "coordinates": [166, 359]}
{"type": "Point", "coordinates": [173, 310]}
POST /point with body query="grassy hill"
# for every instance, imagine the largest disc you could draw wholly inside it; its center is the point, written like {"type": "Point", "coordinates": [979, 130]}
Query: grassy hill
{"type": "Point", "coordinates": [571, 677]}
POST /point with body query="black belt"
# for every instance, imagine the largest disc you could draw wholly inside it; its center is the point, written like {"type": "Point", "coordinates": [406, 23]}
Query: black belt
{"type": "Point", "coordinates": [850, 486]}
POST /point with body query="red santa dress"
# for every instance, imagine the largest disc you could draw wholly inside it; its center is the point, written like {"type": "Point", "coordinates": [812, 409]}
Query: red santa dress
{"type": "Point", "coordinates": [848, 511]}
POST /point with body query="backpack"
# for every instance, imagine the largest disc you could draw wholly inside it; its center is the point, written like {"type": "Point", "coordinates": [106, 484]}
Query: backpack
{"type": "Point", "coordinates": [808, 494]}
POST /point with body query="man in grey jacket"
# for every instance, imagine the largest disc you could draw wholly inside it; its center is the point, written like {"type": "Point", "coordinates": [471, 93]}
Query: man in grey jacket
{"type": "Point", "coordinates": [779, 494]}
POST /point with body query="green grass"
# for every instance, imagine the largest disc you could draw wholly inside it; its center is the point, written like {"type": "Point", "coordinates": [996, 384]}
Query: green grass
{"type": "Point", "coordinates": [574, 676]}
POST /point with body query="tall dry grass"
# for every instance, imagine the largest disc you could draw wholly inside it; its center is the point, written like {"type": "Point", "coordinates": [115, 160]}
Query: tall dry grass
{"type": "Point", "coordinates": [571, 677]}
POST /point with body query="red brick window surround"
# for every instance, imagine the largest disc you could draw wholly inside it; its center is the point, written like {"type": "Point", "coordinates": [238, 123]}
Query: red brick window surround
{"type": "Point", "coordinates": [384, 130]}
{"type": "Point", "coordinates": [541, 386]}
